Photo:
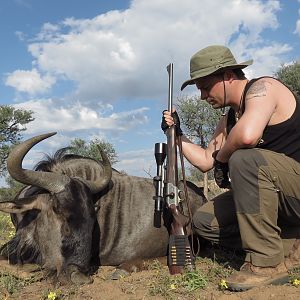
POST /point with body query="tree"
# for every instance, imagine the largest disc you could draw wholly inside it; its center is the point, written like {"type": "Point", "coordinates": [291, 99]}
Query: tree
{"type": "Point", "coordinates": [9, 193]}
{"type": "Point", "coordinates": [199, 121]}
{"type": "Point", "coordinates": [90, 149]}
{"type": "Point", "coordinates": [290, 75]}
{"type": "Point", "coordinates": [12, 124]}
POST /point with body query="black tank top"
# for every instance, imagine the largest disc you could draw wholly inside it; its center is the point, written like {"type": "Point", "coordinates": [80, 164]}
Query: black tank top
{"type": "Point", "coordinates": [283, 137]}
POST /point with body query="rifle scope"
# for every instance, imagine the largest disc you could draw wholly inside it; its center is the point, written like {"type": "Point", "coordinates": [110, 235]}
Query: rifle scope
{"type": "Point", "coordinates": [160, 153]}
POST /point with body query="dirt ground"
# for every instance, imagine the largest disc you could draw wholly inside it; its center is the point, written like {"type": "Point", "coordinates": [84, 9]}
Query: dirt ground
{"type": "Point", "coordinates": [136, 286]}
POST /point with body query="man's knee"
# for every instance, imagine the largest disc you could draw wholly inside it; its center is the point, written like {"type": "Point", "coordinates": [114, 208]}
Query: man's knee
{"type": "Point", "coordinates": [202, 222]}
{"type": "Point", "coordinates": [244, 158]}
{"type": "Point", "coordinates": [236, 159]}
{"type": "Point", "coordinates": [245, 164]}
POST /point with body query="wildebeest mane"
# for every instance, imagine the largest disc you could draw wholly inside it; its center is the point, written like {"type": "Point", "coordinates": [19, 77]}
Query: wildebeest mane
{"type": "Point", "coordinates": [60, 156]}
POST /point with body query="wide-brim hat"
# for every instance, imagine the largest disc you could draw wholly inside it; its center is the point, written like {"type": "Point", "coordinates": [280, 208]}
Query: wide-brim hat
{"type": "Point", "coordinates": [211, 60]}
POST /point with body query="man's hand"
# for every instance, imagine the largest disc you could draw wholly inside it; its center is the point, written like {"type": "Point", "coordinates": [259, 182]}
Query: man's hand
{"type": "Point", "coordinates": [171, 119]}
{"type": "Point", "coordinates": [221, 170]}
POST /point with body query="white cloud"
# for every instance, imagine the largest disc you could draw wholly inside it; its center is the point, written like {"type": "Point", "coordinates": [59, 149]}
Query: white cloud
{"type": "Point", "coordinates": [76, 117]}
{"type": "Point", "coordinates": [267, 59]}
{"type": "Point", "coordinates": [20, 35]}
{"type": "Point", "coordinates": [140, 163]}
{"type": "Point", "coordinates": [297, 30]}
{"type": "Point", "coordinates": [124, 53]}
{"type": "Point", "coordinates": [30, 82]}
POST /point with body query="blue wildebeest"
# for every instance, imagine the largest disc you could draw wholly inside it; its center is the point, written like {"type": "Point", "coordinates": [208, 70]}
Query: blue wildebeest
{"type": "Point", "coordinates": [76, 212]}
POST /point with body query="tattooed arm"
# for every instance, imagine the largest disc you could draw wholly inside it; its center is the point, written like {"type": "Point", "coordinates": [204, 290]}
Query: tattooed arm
{"type": "Point", "coordinates": [260, 105]}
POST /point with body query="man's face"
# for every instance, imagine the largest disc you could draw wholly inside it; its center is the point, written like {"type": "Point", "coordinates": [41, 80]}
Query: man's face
{"type": "Point", "coordinates": [212, 90]}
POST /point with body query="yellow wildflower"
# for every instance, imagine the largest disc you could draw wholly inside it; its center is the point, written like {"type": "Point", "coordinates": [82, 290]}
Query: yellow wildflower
{"type": "Point", "coordinates": [11, 234]}
{"type": "Point", "coordinates": [173, 286]}
{"type": "Point", "coordinates": [51, 296]}
{"type": "Point", "coordinates": [223, 284]}
{"type": "Point", "coordinates": [296, 282]}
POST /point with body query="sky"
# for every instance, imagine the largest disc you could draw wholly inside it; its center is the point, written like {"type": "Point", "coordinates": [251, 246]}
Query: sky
{"type": "Point", "coordinates": [97, 69]}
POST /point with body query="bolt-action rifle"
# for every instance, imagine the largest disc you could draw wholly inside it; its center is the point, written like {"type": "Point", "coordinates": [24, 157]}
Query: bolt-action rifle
{"type": "Point", "coordinates": [168, 197]}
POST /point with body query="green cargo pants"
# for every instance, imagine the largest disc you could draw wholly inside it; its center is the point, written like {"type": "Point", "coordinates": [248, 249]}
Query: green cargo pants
{"type": "Point", "coordinates": [261, 213]}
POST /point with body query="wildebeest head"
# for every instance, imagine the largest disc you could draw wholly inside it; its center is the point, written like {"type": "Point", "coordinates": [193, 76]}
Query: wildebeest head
{"type": "Point", "coordinates": [54, 214]}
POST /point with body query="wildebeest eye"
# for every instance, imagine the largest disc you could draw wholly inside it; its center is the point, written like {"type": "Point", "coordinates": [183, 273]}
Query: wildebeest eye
{"type": "Point", "coordinates": [65, 230]}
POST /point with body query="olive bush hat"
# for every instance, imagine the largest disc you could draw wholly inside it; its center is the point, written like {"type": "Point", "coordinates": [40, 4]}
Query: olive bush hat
{"type": "Point", "coordinates": [210, 60]}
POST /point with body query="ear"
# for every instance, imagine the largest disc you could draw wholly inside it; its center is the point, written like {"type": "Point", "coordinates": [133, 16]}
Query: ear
{"type": "Point", "coordinates": [40, 202]}
{"type": "Point", "coordinates": [229, 75]}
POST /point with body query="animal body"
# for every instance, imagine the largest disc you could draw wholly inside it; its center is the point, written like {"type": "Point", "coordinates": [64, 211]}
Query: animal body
{"type": "Point", "coordinates": [76, 212]}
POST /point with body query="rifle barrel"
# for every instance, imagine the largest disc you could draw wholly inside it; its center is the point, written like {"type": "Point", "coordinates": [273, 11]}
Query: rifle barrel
{"type": "Point", "coordinates": [172, 173]}
{"type": "Point", "coordinates": [170, 97]}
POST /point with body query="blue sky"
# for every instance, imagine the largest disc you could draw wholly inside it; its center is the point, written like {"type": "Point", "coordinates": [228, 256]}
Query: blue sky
{"type": "Point", "coordinates": [98, 68]}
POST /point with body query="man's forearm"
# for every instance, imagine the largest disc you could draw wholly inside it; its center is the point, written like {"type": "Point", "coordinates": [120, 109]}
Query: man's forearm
{"type": "Point", "coordinates": [234, 141]}
{"type": "Point", "coordinates": [225, 153]}
{"type": "Point", "coordinates": [196, 155]}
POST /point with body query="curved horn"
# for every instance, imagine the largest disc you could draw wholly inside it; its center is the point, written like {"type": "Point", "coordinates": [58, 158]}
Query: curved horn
{"type": "Point", "coordinates": [97, 186]}
{"type": "Point", "coordinates": [49, 181]}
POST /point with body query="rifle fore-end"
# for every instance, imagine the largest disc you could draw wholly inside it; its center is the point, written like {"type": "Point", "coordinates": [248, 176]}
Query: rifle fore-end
{"type": "Point", "coordinates": [172, 172]}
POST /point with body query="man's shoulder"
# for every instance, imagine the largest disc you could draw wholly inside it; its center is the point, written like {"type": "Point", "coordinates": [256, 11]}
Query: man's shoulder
{"type": "Point", "coordinates": [265, 81]}
{"type": "Point", "coordinates": [264, 86]}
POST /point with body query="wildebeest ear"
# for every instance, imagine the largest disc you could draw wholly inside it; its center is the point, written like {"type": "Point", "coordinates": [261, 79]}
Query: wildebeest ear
{"type": "Point", "coordinates": [40, 202]}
